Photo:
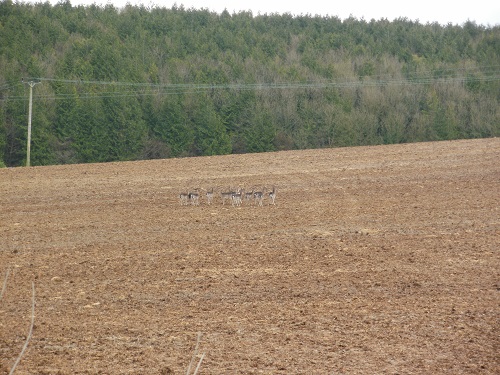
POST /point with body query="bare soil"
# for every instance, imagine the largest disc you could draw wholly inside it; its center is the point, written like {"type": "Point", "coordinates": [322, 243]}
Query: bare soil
{"type": "Point", "coordinates": [374, 260]}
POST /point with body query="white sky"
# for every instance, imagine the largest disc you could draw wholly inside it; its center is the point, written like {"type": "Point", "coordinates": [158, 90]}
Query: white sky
{"type": "Point", "coordinates": [484, 12]}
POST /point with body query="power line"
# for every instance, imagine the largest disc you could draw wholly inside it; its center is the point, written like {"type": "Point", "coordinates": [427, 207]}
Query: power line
{"type": "Point", "coordinates": [423, 78]}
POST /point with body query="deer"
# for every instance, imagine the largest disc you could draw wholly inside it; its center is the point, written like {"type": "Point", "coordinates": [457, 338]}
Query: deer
{"type": "Point", "coordinates": [259, 197]}
{"type": "Point", "coordinates": [236, 197]}
{"type": "Point", "coordinates": [184, 199]}
{"type": "Point", "coordinates": [272, 195]}
{"type": "Point", "coordinates": [194, 198]}
{"type": "Point", "coordinates": [210, 196]}
{"type": "Point", "coordinates": [248, 196]}
{"type": "Point", "coordinates": [226, 195]}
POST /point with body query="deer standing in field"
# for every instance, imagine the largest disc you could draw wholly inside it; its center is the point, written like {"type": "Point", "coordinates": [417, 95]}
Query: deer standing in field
{"type": "Point", "coordinates": [210, 196]}
{"type": "Point", "coordinates": [236, 197]}
{"type": "Point", "coordinates": [184, 199]}
{"type": "Point", "coordinates": [226, 195]}
{"type": "Point", "coordinates": [194, 198]}
{"type": "Point", "coordinates": [259, 197]}
{"type": "Point", "coordinates": [272, 195]}
{"type": "Point", "coordinates": [248, 196]}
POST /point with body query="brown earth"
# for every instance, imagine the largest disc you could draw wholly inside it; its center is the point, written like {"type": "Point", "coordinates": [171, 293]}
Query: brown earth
{"type": "Point", "coordinates": [374, 260]}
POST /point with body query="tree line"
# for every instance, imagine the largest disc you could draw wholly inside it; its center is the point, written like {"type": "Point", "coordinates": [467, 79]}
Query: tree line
{"type": "Point", "coordinates": [153, 82]}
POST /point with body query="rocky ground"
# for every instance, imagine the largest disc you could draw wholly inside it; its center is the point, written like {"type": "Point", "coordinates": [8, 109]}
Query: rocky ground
{"type": "Point", "coordinates": [373, 260]}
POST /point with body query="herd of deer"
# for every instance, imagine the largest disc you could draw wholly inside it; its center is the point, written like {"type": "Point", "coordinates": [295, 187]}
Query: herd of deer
{"type": "Point", "coordinates": [234, 197]}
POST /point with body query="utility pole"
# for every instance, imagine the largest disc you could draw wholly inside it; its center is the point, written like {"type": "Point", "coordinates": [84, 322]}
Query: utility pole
{"type": "Point", "coordinates": [28, 150]}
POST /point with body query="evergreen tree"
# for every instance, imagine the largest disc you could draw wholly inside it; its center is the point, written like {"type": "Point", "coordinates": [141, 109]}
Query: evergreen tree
{"type": "Point", "coordinates": [137, 82]}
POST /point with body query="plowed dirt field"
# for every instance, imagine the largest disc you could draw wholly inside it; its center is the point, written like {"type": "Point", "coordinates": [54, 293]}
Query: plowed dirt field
{"type": "Point", "coordinates": [374, 260]}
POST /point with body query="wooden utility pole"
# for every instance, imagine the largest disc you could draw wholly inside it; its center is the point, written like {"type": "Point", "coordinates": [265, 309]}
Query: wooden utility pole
{"type": "Point", "coordinates": [28, 149]}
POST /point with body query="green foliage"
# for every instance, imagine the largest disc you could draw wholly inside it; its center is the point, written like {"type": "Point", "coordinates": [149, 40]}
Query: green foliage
{"type": "Point", "coordinates": [210, 135]}
{"type": "Point", "coordinates": [172, 127]}
{"type": "Point", "coordinates": [260, 134]}
{"type": "Point", "coordinates": [155, 82]}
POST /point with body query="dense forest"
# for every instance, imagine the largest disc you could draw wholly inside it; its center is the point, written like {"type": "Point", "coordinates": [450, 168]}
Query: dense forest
{"type": "Point", "coordinates": [151, 82]}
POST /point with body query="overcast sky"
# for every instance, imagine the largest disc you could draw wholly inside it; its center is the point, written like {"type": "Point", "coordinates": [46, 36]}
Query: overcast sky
{"type": "Point", "coordinates": [485, 12]}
